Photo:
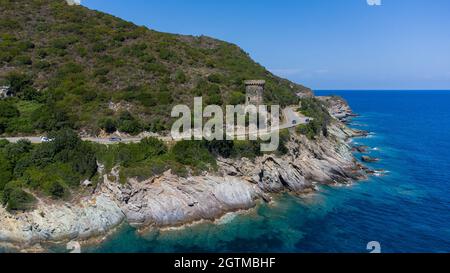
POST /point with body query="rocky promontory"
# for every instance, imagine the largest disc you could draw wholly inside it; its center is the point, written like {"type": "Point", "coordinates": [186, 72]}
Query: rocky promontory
{"type": "Point", "coordinates": [338, 107]}
{"type": "Point", "coordinates": [169, 200]}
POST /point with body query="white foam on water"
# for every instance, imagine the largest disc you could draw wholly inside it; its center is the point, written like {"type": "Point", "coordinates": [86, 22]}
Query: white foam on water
{"type": "Point", "coordinates": [227, 218]}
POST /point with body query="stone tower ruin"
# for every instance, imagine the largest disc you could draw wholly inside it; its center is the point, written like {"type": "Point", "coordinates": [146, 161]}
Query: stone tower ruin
{"type": "Point", "coordinates": [254, 92]}
{"type": "Point", "coordinates": [73, 2]}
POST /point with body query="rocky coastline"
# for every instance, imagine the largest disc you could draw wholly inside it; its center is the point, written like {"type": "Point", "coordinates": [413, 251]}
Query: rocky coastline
{"type": "Point", "coordinates": [169, 200]}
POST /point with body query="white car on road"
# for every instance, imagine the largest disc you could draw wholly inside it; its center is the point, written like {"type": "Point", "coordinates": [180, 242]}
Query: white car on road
{"type": "Point", "coordinates": [46, 139]}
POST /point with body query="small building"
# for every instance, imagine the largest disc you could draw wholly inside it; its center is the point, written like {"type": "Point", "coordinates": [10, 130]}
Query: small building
{"type": "Point", "coordinates": [5, 92]}
{"type": "Point", "coordinates": [254, 92]}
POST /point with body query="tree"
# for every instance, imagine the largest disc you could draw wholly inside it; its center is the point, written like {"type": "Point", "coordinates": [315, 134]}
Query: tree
{"type": "Point", "coordinates": [128, 124]}
{"type": "Point", "coordinates": [236, 98]}
{"type": "Point", "coordinates": [193, 153]}
{"type": "Point", "coordinates": [83, 160]}
{"type": "Point", "coordinates": [29, 93]}
{"type": "Point", "coordinates": [223, 148]}
{"type": "Point", "coordinates": [49, 118]}
{"type": "Point", "coordinates": [16, 198]}
{"type": "Point", "coordinates": [5, 171]}
{"type": "Point", "coordinates": [109, 125]}
{"type": "Point", "coordinates": [8, 110]}
{"type": "Point", "coordinates": [18, 82]}
{"type": "Point", "coordinates": [56, 189]}
{"type": "Point", "coordinates": [215, 78]}
{"type": "Point", "coordinates": [15, 151]}
{"type": "Point", "coordinates": [65, 139]}
{"type": "Point", "coordinates": [180, 77]}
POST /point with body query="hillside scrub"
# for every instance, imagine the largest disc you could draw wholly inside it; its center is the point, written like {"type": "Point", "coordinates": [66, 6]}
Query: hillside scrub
{"type": "Point", "coordinates": [317, 126]}
{"type": "Point", "coordinates": [52, 169]}
{"type": "Point", "coordinates": [74, 62]}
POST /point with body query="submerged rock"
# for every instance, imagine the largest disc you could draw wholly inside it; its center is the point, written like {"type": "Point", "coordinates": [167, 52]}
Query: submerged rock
{"type": "Point", "coordinates": [369, 159]}
{"type": "Point", "coordinates": [361, 149]}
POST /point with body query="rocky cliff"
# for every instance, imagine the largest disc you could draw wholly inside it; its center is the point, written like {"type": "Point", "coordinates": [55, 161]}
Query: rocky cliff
{"type": "Point", "coordinates": [169, 200]}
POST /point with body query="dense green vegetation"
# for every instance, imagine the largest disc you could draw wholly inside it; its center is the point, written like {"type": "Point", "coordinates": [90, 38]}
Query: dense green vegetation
{"type": "Point", "coordinates": [57, 168]}
{"type": "Point", "coordinates": [52, 168]}
{"type": "Point", "coordinates": [66, 64]}
{"type": "Point", "coordinates": [313, 108]}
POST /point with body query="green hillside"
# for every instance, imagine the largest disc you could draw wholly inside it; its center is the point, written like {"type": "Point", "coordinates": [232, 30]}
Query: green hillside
{"type": "Point", "coordinates": [73, 67]}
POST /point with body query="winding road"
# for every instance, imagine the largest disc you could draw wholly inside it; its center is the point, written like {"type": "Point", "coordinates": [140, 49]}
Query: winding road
{"type": "Point", "coordinates": [291, 119]}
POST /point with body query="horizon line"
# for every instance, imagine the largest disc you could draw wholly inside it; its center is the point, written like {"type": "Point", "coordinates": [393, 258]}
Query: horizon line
{"type": "Point", "coordinates": [380, 89]}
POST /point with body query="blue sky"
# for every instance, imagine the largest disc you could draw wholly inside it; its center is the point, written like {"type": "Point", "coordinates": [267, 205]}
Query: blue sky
{"type": "Point", "coordinates": [323, 44]}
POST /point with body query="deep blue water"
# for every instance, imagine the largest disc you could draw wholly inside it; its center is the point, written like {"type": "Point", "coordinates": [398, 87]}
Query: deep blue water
{"type": "Point", "coordinates": [406, 211]}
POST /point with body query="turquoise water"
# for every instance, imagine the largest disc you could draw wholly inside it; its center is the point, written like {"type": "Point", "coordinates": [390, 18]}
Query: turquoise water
{"type": "Point", "coordinates": [406, 211]}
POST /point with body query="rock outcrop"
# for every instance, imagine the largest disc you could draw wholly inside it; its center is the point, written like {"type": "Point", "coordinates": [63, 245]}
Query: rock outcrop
{"type": "Point", "coordinates": [361, 149]}
{"type": "Point", "coordinates": [91, 216]}
{"type": "Point", "coordinates": [369, 159]}
{"type": "Point", "coordinates": [338, 107]}
{"type": "Point", "coordinates": [169, 200]}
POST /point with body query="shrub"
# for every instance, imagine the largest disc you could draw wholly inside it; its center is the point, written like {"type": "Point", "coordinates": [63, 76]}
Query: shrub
{"type": "Point", "coordinates": [215, 78]}
{"type": "Point", "coordinates": [3, 125]}
{"type": "Point", "coordinates": [147, 99]}
{"type": "Point", "coordinates": [99, 47]}
{"type": "Point", "coordinates": [131, 126]}
{"type": "Point", "coordinates": [108, 124]}
{"type": "Point", "coordinates": [284, 138]}
{"type": "Point", "coordinates": [24, 60]}
{"type": "Point", "coordinates": [214, 96]}
{"type": "Point", "coordinates": [128, 124]}
{"type": "Point", "coordinates": [101, 72]}
{"type": "Point", "coordinates": [42, 53]}
{"type": "Point", "coordinates": [15, 151]}
{"type": "Point", "coordinates": [18, 81]}
{"type": "Point", "coordinates": [88, 95]}
{"type": "Point", "coordinates": [246, 148]}
{"type": "Point", "coordinates": [157, 125]}
{"type": "Point", "coordinates": [156, 68]}
{"type": "Point", "coordinates": [180, 77]}
{"type": "Point", "coordinates": [3, 143]}
{"type": "Point", "coordinates": [49, 118]}
{"type": "Point", "coordinates": [65, 41]}
{"type": "Point", "coordinates": [236, 98]}
{"type": "Point", "coordinates": [5, 171]}
{"type": "Point", "coordinates": [152, 147]}
{"type": "Point", "coordinates": [310, 130]}
{"type": "Point", "coordinates": [83, 161]}
{"type": "Point", "coordinates": [30, 94]}
{"type": "Point", "coordinates": [193, 153]}
{"type": "Point", "coordinates": [55, 189]}
{"type": "Point", "coordinates": [43, 65]}
{"type": "Point", "coordinates": [313, 108]}
{"type": "Point", "coordinates": [130, 154]}
{"type": "Point", "coordinates": [139, 160]}
{"type": "Point", "coordinates": [222, 148]}
{"type": "Point", "coordinates": [214, 99]}
{"type": "Point", "coordinates": [6, 23]}
{"type": "Point", "coordinates": [164, 98]}
{"type": "Point", "coordinates": [166, 54]}
{"type": "Point", "coordinates": [16, 198]}
{"type": "Point", "coordinates": [8, 110]}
